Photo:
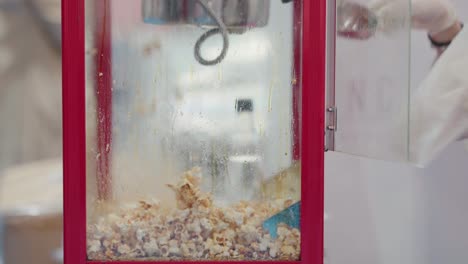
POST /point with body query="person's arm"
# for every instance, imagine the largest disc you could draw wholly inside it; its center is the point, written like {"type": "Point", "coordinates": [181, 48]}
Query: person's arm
{"type": "Point", "coordinates": [439, 112]}
{"type": "Point", "coordinates": [437, 17]}
{"type": "Point", "coordinates": [442, 40]}
{"type": "Point", "coordinates": [449, 34]}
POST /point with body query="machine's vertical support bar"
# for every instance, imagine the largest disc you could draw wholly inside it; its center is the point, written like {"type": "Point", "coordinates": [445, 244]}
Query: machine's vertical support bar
{"type": "Point", "coordinates": [74, 133]}
{"type": "Point", "coordinates": [103, 77]}
{"type": "Point", "coordinates": [296, 79]}
{"type": "Point", "coordinates": [313, 124]}
{"type": "Point", "coordinates": [331, 110]}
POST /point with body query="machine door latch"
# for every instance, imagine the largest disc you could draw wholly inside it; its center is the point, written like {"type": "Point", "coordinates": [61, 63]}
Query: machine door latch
{"type": "Point", "coordinates": [331, 126]}
{"type": "Point", "coordinates": [331, 122]}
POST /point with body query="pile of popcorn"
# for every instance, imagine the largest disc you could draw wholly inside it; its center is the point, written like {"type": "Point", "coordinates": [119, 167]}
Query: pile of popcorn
{"type": "Point", "coordinates": [196, 230]}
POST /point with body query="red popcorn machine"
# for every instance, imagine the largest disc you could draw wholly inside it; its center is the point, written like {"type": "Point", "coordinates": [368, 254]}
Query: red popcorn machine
{"type": "Point", "coordinates": [194, 130]}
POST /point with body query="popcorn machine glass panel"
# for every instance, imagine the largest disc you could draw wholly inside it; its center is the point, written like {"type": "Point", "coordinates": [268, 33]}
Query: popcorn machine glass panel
{"type": "Point", "coordinates": [192, 128]}
{"type": "Point", "coordinates": [370, 87]}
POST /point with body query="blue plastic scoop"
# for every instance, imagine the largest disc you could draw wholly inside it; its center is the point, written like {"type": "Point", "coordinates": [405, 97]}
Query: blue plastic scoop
{"type": "Point", "coordinates": [290, 216]}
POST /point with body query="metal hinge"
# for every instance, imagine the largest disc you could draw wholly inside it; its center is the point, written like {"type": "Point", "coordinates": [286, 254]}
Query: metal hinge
{"type": "Point", "coordinates": [331, 126]}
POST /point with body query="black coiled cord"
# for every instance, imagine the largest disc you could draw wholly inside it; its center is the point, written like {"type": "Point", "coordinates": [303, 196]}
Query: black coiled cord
{"type": "Point", "coordinates": [221, 29]}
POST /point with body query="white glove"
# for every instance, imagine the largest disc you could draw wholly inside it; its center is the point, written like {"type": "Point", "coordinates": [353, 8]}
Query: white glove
{"type": "Point", "coordinates": [433, 16]}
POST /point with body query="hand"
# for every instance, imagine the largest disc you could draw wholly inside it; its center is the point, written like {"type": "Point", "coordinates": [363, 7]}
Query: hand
{"type": "Point", "coordinates": [433, 16]}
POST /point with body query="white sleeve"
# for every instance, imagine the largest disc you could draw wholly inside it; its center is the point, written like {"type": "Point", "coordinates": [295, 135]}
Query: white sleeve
{"type": "Point", "coordinates": [439, 108]}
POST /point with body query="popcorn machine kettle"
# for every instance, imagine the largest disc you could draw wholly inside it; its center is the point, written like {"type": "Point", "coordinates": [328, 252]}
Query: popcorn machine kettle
{"type": "Point", "coordinates": [187, 124]}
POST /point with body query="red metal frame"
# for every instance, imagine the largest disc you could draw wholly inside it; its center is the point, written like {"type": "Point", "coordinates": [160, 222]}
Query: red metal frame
{"type": "Point", "coordinates": [313, 127]}
{"type": "Point", "coordinates": [74, 131]}
{"type": "Point", "coordinates": [312, 143]}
